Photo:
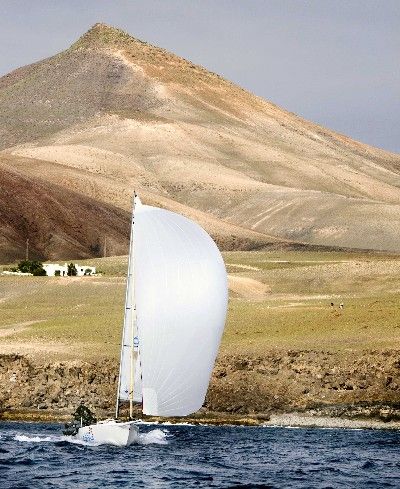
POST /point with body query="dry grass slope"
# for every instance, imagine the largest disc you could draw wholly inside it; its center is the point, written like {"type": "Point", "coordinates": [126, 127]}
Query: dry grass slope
{"type": "Point", "coordinates": [278, 301]}
{"type": "Point", "coordinates": [113, 113]}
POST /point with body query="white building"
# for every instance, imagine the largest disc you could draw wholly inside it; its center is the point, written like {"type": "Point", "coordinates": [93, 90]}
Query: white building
{"type": "Point", "coordinates": [53, 269]}
{"type": "Point", "coordinates": [84, 270]}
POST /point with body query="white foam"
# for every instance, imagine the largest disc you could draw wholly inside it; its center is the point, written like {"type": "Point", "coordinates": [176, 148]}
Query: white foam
{"type": "Point", "coordinates": [153, 437]}
{"type": "Point", "coordinates": [50, 439]}
{"type": "Point", "coordinates": [36, 439]}
{"type": "Point", "coordinates": [169, 423]}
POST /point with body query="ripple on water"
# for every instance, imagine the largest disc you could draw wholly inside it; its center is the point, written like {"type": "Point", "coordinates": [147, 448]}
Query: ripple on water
{"type": "Point", "coordinates": [36, 455]}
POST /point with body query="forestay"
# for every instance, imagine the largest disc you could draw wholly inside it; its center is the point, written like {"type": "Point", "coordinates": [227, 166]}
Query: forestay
{"type": "Point", "coordinates": [181, 300]}
{"type": "Point", "coordinates": [129, 386]}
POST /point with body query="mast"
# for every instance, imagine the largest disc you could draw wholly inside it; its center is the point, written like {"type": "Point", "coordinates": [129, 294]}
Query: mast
{"type": "Point", "coordinates": [133, 305]}
{"type": "Point", "coordinates": [130, 315]}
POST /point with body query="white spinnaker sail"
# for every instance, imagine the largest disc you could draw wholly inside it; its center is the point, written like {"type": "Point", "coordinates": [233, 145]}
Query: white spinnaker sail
{"type": "Point", "coordinates": [130, 372]}
{"type": "Point", "coordinates": [181, 300]}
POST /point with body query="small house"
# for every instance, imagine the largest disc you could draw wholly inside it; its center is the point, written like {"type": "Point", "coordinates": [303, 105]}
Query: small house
{"type": "Point", "coordinates": [84, 270]}
{"type": "Point", "coordinates": [54, 269]}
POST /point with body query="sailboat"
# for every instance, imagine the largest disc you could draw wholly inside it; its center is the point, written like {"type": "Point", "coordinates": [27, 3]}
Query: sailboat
{"type": "Point", "coordinates": [175, 310]}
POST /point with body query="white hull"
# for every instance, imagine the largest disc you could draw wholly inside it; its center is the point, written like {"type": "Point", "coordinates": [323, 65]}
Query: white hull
{"type": "Point", "coordinates": [109, 432]}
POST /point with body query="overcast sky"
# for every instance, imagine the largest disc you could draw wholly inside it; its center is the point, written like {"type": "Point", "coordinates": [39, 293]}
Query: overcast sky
{"type": "Point", "coordinates": [334, 62]}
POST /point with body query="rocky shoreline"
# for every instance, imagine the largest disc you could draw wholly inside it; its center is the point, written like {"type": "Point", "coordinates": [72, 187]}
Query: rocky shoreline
{"type": "Point", "coordinates": [284, 420]}
{"type": "Point", "coordinates": [280, 388]}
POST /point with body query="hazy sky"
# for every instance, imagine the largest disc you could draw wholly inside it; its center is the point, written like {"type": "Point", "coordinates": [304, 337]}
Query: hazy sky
{"type": "Point", "coordinates": [334, 62]}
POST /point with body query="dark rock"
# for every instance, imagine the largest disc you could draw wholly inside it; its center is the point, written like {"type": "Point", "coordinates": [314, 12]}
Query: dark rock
{"type": "Point", "coordinates": [220, 373]}
{"type": "Point", "coordinates": [262, 416]}
{"type": "Point", "coordinates": [241, 364]}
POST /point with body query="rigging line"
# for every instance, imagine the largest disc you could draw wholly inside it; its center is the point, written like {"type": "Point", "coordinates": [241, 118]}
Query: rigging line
{"type": "Point", "coordinates": [133, 317]}
{"type": "Point", "coordinates": [123, 339]}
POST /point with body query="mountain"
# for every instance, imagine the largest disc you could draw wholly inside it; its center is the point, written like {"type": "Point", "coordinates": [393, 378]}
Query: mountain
{"type": "Point", "coordinates": [113, 113]}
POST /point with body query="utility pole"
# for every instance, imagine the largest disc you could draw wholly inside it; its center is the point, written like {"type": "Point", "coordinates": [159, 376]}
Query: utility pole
{"type": "Point", "coordinates": [27, 250]}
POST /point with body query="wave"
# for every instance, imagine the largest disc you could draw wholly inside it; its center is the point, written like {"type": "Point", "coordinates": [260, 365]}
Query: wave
{"type": "Point", "coordinates": [153, 437]}
{"type": "Point", "coordinates": [37, 439]}
{"type": "Point", "coordinates": [50, 439]}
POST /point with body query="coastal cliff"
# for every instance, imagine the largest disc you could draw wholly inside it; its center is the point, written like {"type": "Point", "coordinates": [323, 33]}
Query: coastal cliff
{"type": "Point", "coordinates": [349, 384]}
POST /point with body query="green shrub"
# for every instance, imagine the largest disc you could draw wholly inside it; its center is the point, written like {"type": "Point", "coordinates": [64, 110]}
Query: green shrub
{"type": "Point", "coordinates": [72, 271]}
{"type": "Point", "coordinates": [32, 266]}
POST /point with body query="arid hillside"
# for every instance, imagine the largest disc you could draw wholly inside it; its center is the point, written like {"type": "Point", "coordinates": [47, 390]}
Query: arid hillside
{"type": "Point", "coordinates": [113, 113]}
{"type": "Point", "coordinates": [59, 221]}
{"type": "Point", "coordinates": [285, 347]}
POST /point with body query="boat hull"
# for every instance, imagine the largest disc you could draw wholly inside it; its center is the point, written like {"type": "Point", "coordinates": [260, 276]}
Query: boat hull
{"type": "Point", "coordinates": [109, 433]}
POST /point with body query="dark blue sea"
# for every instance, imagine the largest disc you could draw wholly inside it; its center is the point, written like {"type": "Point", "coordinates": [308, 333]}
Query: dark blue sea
{"type": "Point", "coordinates": [36, 456]}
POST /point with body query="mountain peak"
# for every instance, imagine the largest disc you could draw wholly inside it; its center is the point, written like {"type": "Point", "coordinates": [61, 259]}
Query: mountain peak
{"type": "Point", "coordinates": [113, 112]}
{"type": "Point", "coordinates": [103, 35]}
{"type": "Point", "coordinates": [156, 61]}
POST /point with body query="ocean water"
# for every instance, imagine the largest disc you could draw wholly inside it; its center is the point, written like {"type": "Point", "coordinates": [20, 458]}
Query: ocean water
{"type": "Point", "coordinates": [37, 456]}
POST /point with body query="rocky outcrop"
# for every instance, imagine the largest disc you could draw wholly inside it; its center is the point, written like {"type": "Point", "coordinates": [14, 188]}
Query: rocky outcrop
{"type": "Point", "coordinates": [340, 384]}
{"type": "Point", "coordinates": [352, 384]}
{"type": "Point", "coordinates": [27, 384]}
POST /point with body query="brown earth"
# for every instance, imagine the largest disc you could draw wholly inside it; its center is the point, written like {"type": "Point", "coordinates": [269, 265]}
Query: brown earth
{"type": "Point", "coordinates": [113, 113]}
{"type": "Point", "coordinates": [344, 384]}
{"type": "Point", "coordinates": [60, 223]}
